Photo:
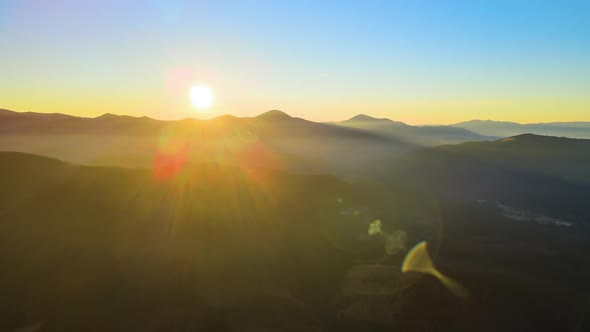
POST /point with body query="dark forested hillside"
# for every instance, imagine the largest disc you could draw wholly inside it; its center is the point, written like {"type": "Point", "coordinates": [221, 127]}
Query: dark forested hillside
{"type": "Point", "coordinates": [213, 247]}
{"type": "Point", "coordinates": [541, 173]}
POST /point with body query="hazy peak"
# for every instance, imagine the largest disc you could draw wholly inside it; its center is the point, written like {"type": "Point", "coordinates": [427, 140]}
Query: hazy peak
{"type": "Point", "coordinates": [523, 137]}
{"type": "Point", "coordinates": [543, 139]}
{"type": "Point", "coordinates": [478, 121]}
{"type": "Point", "coordinates": [110, 116]}
{"type": "Point", "coordinates": [364, 117]}
{"type": "Point", "coordinates": [225, 117]}
{"type": "Point", "coordinates": [274, 114]}
{"type": "Point", "coordinates": [107, 116]}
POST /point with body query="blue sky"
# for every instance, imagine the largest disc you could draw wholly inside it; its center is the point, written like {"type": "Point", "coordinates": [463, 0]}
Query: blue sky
{"type": "Point", "coordinates": [416, 61]}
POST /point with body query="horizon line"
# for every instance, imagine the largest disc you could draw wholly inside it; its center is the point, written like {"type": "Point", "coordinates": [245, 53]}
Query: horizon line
{"type": "Point", "coordinates": [264, 112]}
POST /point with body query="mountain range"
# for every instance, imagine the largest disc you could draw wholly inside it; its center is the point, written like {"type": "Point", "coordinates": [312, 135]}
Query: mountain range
{"type": "Point", "coordinates": [528, 171]}
{"type": "Point", "coordinates": [272, 139]}
{"type": "Point", "coordinates": [420, 135]}
{"type": "Point", "coordinates": [197, 224]}
{"type": "Point", "coordinates": [506, 129]}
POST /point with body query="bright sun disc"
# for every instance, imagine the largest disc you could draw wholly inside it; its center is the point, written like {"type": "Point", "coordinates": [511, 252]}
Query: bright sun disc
{"type": "Point", "coordinates": [201, 96]}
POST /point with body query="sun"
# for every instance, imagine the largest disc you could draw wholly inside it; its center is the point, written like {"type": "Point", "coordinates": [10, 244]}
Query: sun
{"type": "Point", "coordinates": [201, 96]}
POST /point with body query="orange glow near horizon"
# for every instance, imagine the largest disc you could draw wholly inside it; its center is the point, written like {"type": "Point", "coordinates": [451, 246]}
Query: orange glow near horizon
{"type": "Point", "coordinates": [180, 145]}
{"type": "Point", "coordinates": [64, 59]}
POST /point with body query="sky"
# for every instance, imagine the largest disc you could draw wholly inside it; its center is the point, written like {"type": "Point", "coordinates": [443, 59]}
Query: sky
{"type": "Point", "coordinates": [421, 62]}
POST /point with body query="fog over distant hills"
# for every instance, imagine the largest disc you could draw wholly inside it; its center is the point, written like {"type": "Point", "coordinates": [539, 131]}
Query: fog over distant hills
{"type": "Point", "coordinates": [421, 135]}
{"type": "Point", "coordinates": [506, 129]}
{"type": "Point", "coordinates": [272, 139]}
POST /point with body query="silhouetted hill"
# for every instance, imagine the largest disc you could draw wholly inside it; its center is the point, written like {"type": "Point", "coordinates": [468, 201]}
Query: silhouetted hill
{"type": "Point", "coordinates": [420, 135]}
{"type": "Point", "coordinates": [505, 129]}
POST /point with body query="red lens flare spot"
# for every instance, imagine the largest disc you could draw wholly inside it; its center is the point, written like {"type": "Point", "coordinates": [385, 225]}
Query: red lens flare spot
{"type": "Point", "coordinates": [168, 164]}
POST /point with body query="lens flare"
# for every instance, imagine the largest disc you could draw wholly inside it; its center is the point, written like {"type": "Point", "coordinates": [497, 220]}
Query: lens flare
{"type": "Point", "coordinates": [394, 242]}
{"type": "Point", "coordinates": [418, 260]}
{"type": "Point", "coordinates": [170, 162]}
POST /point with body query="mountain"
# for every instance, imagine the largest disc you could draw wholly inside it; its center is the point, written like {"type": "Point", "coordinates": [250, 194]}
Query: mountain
{"type": "Point", "coordinates": [540, 173]}
{"type": "Point", "coordinates": [114, 249]}
{"type": "Point", "coordinates": [367, 118]}
{"type": "Point", "coordinates": [272, 139]}
{"type": "Point", "coordinates": [506, 129]}
{"type": "Point", "coordinates": [215, 223]}
{"type": "Point", "coordinates": [420, 135]}
{"type": "Point", "coordinates": [274, 115]}
{"type": "Point", "coordinates": [82, 245]}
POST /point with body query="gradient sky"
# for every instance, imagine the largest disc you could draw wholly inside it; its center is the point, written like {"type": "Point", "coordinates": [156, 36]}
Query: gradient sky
{"type": "Point", "coordinates": [413, 61]}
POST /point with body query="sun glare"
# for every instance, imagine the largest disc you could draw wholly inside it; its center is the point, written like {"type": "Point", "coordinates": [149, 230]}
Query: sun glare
{"type": "Point", "coordinates": [201, 96]}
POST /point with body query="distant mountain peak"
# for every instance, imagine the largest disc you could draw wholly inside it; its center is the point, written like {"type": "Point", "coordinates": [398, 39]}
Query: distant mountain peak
{"type": "Point", "coordinates": [225, 117]}
{"type": "Point", "coordinates": [534, 137]}
{"type": "Point", "coordinates": [487, 122]}
{"type": "Point", "coordinates": [521, 137]}
{"type": "Point", "coordinates": [274, 115]}
{"type": "Point", "coordinates": [364, 117]}
{"type": "Point", "coordinates": [529, 138]}
{"type": "Point", "coordinates": [107, 116]}
{"type": "Point", "coordinates": [110, 116]}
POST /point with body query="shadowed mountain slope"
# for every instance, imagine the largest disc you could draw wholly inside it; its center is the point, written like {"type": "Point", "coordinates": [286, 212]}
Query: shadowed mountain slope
{"type": "Point", "coordinates": [79, 244]}
{"type": "Point", "coordinates": [541, 173]}
{"type": "Point", "coordinates": [113, 249]}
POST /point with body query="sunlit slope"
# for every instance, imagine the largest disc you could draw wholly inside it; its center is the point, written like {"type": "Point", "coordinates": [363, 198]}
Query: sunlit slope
{"type": "Point", "coordinates": [273, 140]}
{"type": "Point", "coordinates": [420, 135]}
{"type": "Point", "coordinates": [538, 172]}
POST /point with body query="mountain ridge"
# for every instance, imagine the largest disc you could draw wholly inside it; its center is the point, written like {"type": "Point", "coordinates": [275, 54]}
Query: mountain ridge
{"type": "Point", "coordinates": [121, 140]}
{"type": "Point", "coordinates": [420, 135]}
{"type": "Point", "coordinates": [364, 117]}
{"type": "Point", "coordinates": [575, 129]}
